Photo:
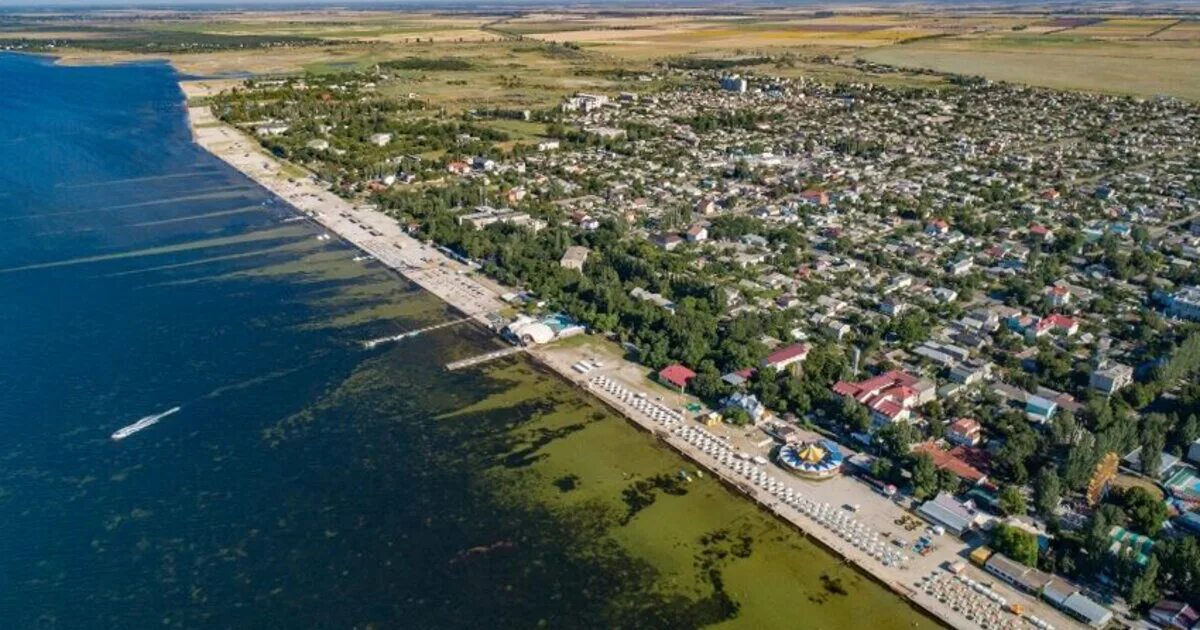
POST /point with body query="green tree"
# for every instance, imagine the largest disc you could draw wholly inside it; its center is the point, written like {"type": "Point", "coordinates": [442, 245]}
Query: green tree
{"type": "Point", "coordinates": [1016, 543]}
{"type": "Point", "coordinates": [1143, 588]}
{"type": "Point", "coordinates": [1146, 512]}
{"type": "Point", "coordinates": [1180, 570]}
{"type": "Point", "coordinates": [1047, 492]}
{"type": "Point", "coordinates": [855, 414]}
{"type": "Point", "coordinates": [1012, 502]}
{"type": "Point", "coordinates": [896, 439]}
{"type": "Point", "coordinates": [1153, 443]}
{"type": "Point", "coordinates": [924, 477]}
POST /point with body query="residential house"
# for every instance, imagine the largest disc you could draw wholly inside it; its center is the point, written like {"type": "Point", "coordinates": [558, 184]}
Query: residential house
{"type": "Point", "coordinates": [964, 432]}
{"type": "Point", "coordinates": [656, 298]}
{"type": "Point", "coordinates": [815, 197]}
{"type": "Point", "coordinates": [1058, 296]}
{"type": "Point", "coordinates": [891, 307]}
{"type": "Point", "coordinates": [1110, 376]}
{"type": "Point", "coordinates": [890, 396]}
{"type": "Point", "coordinates": [1061, 324]}
{"type": "Point", "coordinates": [748, 403]}
{"type": "Point", "coordinates": [1185, 304]}
{"type": "Point", "coordinates": [676, 376]}
{"type": "Point", "coordinates": [667, 241]}
{"type": "Point", "coordinates": [960, 266]}
{"type": "Point", "coordinates": [1174, 615]}
{"type": "Point", "coordinates": [969, 373]}
{"type": "Point", "coordinates": [1039, 409]}
{"type": "Point", "coordinates": [574, 257]}
{"type": "Point", "coordinates": [960, 461]}
{"type": "Point", "coordinates": [789, 357]}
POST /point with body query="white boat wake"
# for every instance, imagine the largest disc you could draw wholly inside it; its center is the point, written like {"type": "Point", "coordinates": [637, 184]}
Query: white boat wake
{"type": "Point", "coordinates": [146, 422]}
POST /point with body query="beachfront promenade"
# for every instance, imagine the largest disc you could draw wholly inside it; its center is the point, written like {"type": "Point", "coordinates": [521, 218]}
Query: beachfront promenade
{"type": "Point", "coordinates": [371, 231]}
{"type": "Point", "coordinates": [787, 496]}
{"type": "Point", "coordinates": [381, 237]}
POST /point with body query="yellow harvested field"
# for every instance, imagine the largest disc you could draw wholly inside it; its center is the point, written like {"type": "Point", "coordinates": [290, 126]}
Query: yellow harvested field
{"type": "Point", "coordinates": [512, 67]}
{"type": "Point", "coordinates": [1143, 67]}
{"type": "Point", "coordinates": [1121, 28]}
{"type": "Point", "coordinates": [1188, 31]}
{"type": "Point", "coordinates": [731, 37]}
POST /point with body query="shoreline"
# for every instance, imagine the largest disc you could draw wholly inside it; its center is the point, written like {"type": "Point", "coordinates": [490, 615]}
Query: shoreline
{"type": "Point", "coordinates": [745, 492]}
{"type": "Point", "coordinates": [462, 288]}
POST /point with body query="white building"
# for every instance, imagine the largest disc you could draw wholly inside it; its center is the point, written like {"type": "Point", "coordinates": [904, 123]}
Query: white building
{"type": "Point", "coordinates": [574, 257]}
{"type": "Point", "coordinates": [1185, 304]}
{"type": "Point", "coordinates": [1109, 377]}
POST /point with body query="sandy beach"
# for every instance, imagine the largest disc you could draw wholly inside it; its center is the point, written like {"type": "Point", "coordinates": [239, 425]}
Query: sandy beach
{"type": "Point", "coordinates": [618, 383]}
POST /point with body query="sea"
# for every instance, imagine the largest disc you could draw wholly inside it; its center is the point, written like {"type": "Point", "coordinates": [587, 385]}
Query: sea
{"type": "Point", "coordinates": [307, 482]}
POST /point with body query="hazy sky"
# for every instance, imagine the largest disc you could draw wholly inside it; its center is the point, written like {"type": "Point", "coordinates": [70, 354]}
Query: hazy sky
{"type": "Point", "coordinates": [484, 4]}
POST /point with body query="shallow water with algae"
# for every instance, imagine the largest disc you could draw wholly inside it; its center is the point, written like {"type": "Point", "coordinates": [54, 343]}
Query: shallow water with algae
{"type": "Point", "coordinates": [306, 482]}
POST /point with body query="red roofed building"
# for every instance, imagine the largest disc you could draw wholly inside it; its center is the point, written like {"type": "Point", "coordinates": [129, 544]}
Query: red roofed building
{"type": "Point", "coordinates": [960, 460]}
{"type": "Point", "coordinates": [1039, 232]}
{"type": "Point", "coordinates": [936, 227]}
{"type": "Point", "coordinates": [964, 432]}
{"type": "Point", "coordinates": [676, 376]}
{"type": "Point", "coordinates": [818, 197]}
{"type": "Point", "coordinates": [1058, 297]}
{"type": "Point", "coordinates": [789, 357]}
{"type": "Point", "coordinates": [459, 167]}
{"type": "Point", "coordinates": [890, 396]}
{"type": "Point", "coordinates": [1059, 323]}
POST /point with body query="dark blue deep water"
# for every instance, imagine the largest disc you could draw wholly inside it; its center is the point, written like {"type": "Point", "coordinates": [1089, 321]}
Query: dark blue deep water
{"type": "Point", "coordinates": [137, 274]}
{"type": "Point", "coordinates": [305, 483]}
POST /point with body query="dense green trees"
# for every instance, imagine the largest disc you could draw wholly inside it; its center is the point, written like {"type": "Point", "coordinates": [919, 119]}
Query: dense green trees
{"type": "Point", "coordinates": [1179, 571]}
{"type": "Point", "coordinates": [1146, 511]}
{"type": "Point", "coordinates": [1047, 492]}
{"type": "Point", "coordinates": [924, 477]}
{"type": "Point", "coordinates": [1012, 501]}
{"type": "Point", "coordinates": [1016, 543]}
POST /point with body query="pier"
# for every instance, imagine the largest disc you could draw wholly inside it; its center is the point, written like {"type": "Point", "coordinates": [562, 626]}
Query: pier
{"type": "Point", "coordinates": [484, 358]}
{"type": "Point", "coordinates": [370, 344]}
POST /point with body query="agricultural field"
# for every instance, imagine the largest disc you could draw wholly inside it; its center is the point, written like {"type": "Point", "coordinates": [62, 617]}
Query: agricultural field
{"type": "Point", "coordinates": [1186, 31]}
{"type": "Point", "coordinates": [646, 37]}
{"type": "Point", "coordinates": [1122, 28]}
{"type": "Point", "coordinates": [1145, 67]}
{"type": "Point", "coordinates": [531, 59]}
